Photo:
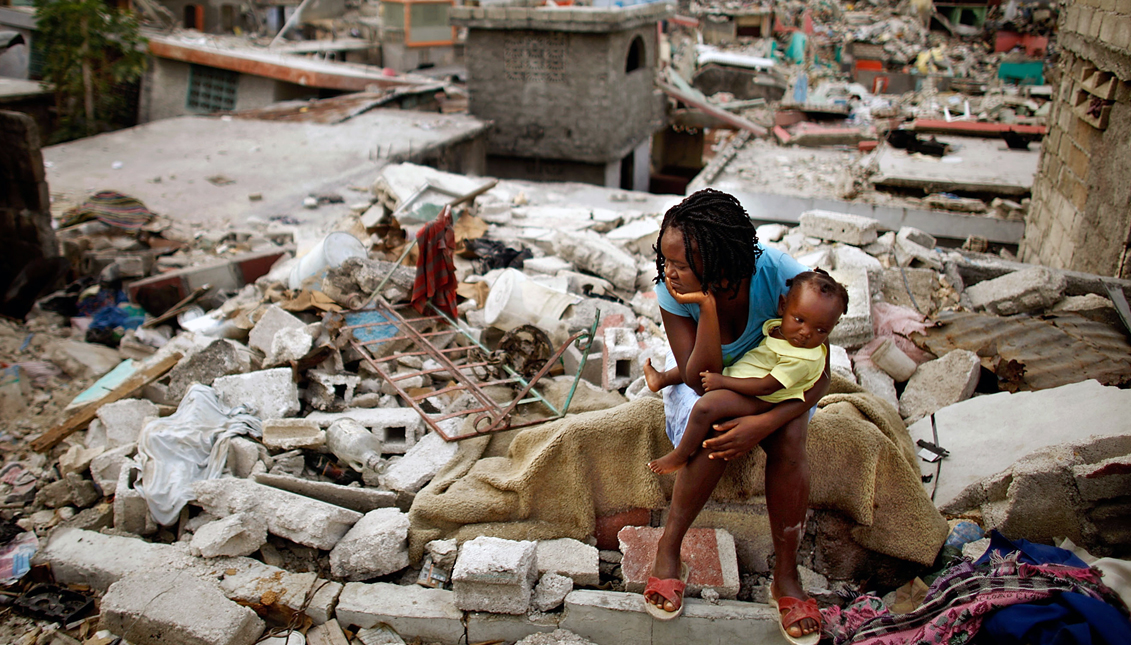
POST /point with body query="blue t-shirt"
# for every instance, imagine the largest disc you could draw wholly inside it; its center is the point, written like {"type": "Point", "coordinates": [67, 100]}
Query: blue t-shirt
{"type": "Point", "coordinates": [766, 286]}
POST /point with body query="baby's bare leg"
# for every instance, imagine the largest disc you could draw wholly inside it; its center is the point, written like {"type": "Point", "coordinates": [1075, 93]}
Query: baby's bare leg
{"type": "Point", "coordinates": [713, 407]}
{"type": "Point", "coordinates": [658, 380]}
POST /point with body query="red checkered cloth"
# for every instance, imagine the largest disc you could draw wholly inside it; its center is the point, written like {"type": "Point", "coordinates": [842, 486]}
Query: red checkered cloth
{"type": "Point", "coordinates": [435, 271]}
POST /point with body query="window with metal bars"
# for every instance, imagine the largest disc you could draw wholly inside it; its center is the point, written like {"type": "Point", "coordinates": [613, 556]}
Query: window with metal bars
{"type": "Point", "coordinates": [211, 89]}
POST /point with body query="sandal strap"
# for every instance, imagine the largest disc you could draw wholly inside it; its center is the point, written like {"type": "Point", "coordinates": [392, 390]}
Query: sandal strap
{"type": "Point", "coordinates": [794, 610]}
{"type": "Point", "coordinates": [668, 588]}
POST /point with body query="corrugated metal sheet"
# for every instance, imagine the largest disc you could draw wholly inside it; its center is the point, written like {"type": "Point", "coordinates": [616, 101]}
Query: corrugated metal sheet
{"type": "Point", "coordinates": [1053, 349]}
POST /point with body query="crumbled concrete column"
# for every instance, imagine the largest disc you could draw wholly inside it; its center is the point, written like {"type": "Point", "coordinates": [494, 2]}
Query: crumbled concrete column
{"type": "Point", "coordinates": [398, 428]}
{"type": "Point", "coordinates": [377, 545]}
{"type": "Point", "coordinates": [123, 420]}
{"type": "Point", "coordinates": [420, 464]}
{"type": "Point", "coordinates": [876, 382]}
{"type": "Point", "coordinates": [415, 612]}
{"type": "Point", "coordinates": [360, 499]}
{"type": "Point", "coordinates": [237, 534]}
{"type": "Point", "coordinates": [222, 357]}
{"type": "Point", "coordinates": [278, 594]}
{"type": "Point", "coordinates": [290, 434]}
{"type": "Point", "coordinates": [839, 227]}
{"type": "Point", "coordinates": [551, 591]}
{"type": "Point", "coordinates": [1027, 291]}
{"type": "Point", "coordinates": [855, 327]}
{"type": "Point", "coordinates": [709, 554]}
{"type": "Point", "coordinates": [323, 390]}
{"type": "Point", "coordinates": [495, 575]}
{"type": "Point", "coordinates": [619, 365]}
{"type": "Point", "coordinates": [289, 344]}
{"type": "Point", "coordinates": [287, 515]}
{"type": "Point", "coordinates": [176, 608]}
{"type": "Point", "coordinates": [575, 560]}
{"type": "Point", "coordinates": [271, 321]}
{"type": "Point", "coordinates": [939, 383]}
{"type": "Point", "coordinates": [272, 393]}
{"type": "Point", "coordinates": [592, 252]}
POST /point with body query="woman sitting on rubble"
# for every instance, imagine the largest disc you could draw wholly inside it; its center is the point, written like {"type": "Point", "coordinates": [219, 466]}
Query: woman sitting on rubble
{"type": "Point", "coordinates": [708, 245]}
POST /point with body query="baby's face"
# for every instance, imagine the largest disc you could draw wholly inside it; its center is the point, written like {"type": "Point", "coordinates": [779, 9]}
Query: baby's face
{"type": "Point", "coordinates": [808, 317]}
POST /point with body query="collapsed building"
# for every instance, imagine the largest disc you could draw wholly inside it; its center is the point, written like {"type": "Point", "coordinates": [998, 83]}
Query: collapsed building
{"type": "Point", "coordinates": [237, 423]}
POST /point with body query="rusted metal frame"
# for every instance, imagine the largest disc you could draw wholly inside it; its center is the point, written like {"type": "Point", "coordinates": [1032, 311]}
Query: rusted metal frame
{"type": "Point", "coordinates": [411, 401]}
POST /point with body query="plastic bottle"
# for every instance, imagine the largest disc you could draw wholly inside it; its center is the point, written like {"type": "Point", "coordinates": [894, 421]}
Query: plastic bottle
{"type": "Point", "coordinates": [354, 444]}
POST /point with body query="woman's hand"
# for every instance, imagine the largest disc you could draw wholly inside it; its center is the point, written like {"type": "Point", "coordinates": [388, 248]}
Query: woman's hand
{"type": "Point", "coordinates": [740, 436]}
{"type": "Point", "coordinates": [690, 298]}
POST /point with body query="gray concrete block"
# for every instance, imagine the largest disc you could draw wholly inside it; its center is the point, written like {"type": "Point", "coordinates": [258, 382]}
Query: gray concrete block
{"type": "Point", "coordinates": [377, 545]}
{"type": "Point", "coordinates": [270, 322]}
{"type": "Point", "coordinates": [272, 394]}
{"type": "Point", "coordinates": [610, 617]}
{"type": "Point", "coordinates": [855, 327]}
{"type": "Point", "coordinates": [575, 560]}
{"type": "Point", "coordinates": [495, 575]}
{"type": "Point", "coordinates": [908, 253]}
{"type": "Point", "coordinates": [176, 608]}
{"type": "Point", "coordinates": [131, 512]}
{"type": "Point", "coordinates": [360, 499]}
{"type": "Point", "coordinates": [289, 434]}
{"type": "Point", "coordinates": [278, 594]}
{"type": "Point", "coordinates": [485, 627]}
{"type": "Point", "coordinates": [325, 390]}
{"type": "Point", "coordinates": [939, 383]}
{"type": "Point", "coordinates": [415, 612]}
{"type": "Point", "coordinates": [922, 238]}
{"type": "Point", "coordinates": [222, 357]}
{"type": "Point", "coordinates": [90, 558]}
{"type": "Point", "coordinates": [123, 420]}
{"type": "Point", "coordinates": [591, 252]}
{"type": "Point", "coordinates": [289, 344]}
{"type": "Point", "coordinates": [287, 515]}
{"type": "Point", "coordinates": [243, 455]}
{"type": "Point", "coordinates": [840, 363]}
{"type": "Point", "coordinates": [398, 428]}
{"type": "Point", "coordinates": [420, 464]}
{"type": "Point", "coordinates": [839, 227]}
{"type": "Point", "coordinates": [1027, 291]}
{"type": "Point", "coordinates": [619, 359]}
{"type": "Point", "coordinates": [551, 591]}
{"type": "Point", "coordinates": [1107, 479]}
{"type": "Point", "coordinates": [877, 382]}
{"type": "Point", "coordinates": [237, 534]}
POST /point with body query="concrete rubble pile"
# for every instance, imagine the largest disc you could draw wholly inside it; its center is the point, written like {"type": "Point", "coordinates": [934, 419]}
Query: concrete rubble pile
{"type": "Point", "coordinates": [303, 521]}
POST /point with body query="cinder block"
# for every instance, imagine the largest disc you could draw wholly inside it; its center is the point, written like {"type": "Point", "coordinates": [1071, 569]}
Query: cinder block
{"type": "Point", "coordinates": [176, 608]}
{"type": "Point", "coordinates": [360, 499]}
{"type": "Point", "coordinates": [273, 394]}
{"type": "Point", "coordinates": [575, 560]}
{"type": "Point", "coordinates": [939, 383]}
{"type": "Point", "coordinates": [325, 390]}
{"type": "Point", "coordinates": [124, 419]}
{"type": "Point", "coordinates": [415, 612]}
{"type": "Point", "coordinates": [377, 545]}
{"type": "Point", "coordinates": [420, 464]}
{"type": "Point", "coordinates": [839, 227]}
{"type": "Point", "coordinates": [294, 517]}
{"type": "Point", "coordinates": [291, 434]}
{"type": "Point", "coordinates": [271, 321]}
{"type": "Point", "coordinates": [278, 594]}
{"type": "Point", "coordinates": [495, 575]}
{"type": "Point", "coordinates": [594, 363]}
{"type": "Point", "coordinates": [619, 364]}
{"type": "Point", "coordinates": [131, 512]}
{"type": "Point", "coordinates": [855, 327]}
{"type": "Point", "coordinates": [1027, 291]}
{"type": "Point", "coordinates": [922, 238]}
{"type": "Point", "coordinates": [237, 534]}
{"type": "Point", "coordinates": [398, 428]}
{"type": "Point", "coordinates": [708, 553]}
{"type": "Point", "coordinates": [909, 252]}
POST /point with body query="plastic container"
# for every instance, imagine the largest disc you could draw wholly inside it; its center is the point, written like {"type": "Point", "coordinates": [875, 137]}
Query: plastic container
{"type": "Point", "coordinates": [516, 300]}
{"type": "Point", "coordinates": [354, 444]}
{"type": "Point", "coordinates": [891, 359]}
{"type": "Point", "coordinates": [330, 252]}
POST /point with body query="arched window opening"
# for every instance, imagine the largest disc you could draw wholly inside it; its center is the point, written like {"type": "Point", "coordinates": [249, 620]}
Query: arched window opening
{"type": "Point", "coordinates": [635, 55]}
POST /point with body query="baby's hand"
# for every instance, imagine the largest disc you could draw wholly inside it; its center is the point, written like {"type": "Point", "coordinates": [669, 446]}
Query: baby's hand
{"type": "Point", "coordinates": [712, 381]}
{"type": "Point", "coordinates": [689, 298]}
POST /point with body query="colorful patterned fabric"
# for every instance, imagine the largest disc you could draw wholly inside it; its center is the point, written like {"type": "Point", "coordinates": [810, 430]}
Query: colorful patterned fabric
{"type": "Point", "coordinates": [435, 270]}
{"type": "Point", "coordinates": [111, 208]}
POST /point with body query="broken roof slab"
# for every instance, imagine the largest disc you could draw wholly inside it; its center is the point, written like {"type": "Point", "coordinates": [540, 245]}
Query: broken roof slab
{"type": "Point", "coordinates": [975, 165]}
{"type": "Point", "coordinates": [167, 164]}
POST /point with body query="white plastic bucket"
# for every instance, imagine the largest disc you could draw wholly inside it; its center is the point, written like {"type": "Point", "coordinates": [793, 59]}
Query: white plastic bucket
{"type": "Point", "coordinates": [330, 252]}
{"type": "Point", "coordinates": [516, 300]}
{"type": "Point", "coordinates": [891, 359]}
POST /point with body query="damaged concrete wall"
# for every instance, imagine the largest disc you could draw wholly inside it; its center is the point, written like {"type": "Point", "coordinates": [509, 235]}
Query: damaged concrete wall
{"type": "Point", "coordinates": [25, 216]}
{"type": "Point", "coordinates": [1079, 219]}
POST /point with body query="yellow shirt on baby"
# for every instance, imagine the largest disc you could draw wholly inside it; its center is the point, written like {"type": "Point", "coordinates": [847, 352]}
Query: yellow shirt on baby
{"type": "Point", "coordinates": [796, 368]}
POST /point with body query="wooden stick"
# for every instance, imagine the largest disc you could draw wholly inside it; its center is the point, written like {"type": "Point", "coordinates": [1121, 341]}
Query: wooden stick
{"type": "Point", "coordinates": [80, 419]}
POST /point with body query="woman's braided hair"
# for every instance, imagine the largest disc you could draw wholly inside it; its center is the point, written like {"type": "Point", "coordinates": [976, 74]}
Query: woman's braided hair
{"type": "Point", "coordinates": [717, 226]}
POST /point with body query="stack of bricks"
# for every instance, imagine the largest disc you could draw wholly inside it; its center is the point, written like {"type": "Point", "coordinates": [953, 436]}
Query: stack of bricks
{"type": "Point", "coordinates": [1081, 186]}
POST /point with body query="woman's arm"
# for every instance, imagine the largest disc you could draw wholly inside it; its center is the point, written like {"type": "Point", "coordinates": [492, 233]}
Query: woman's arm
{"type": "Point", "coordinates": [742, 434]}
{"type": "Point", "coordinates": [696, 346]}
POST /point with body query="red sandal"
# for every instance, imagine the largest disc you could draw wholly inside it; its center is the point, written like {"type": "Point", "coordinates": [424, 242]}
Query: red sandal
{"type": "Point", "coordinates": [792, 611]}
{"type": "Point", "coordinates": [669, 589]}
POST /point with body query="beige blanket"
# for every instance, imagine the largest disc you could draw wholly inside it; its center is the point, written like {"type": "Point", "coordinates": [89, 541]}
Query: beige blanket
{"type": "Point", "coordinates": [554, 479]}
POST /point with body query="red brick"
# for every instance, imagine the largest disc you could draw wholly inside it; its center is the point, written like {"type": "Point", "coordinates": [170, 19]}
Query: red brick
{"type": "Point", "coordinates": [708, 553]}
{"type": "Point", "coordinates": [608, 526]}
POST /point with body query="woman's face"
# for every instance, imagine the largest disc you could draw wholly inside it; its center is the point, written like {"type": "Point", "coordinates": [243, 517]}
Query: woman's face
{"type": "Point", "coordinates": [677, 267]}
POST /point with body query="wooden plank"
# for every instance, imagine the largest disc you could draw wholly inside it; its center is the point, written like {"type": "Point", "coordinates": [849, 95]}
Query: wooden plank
{"type": "Point", "coordinates": [80, 419]}
{"type": "Point", "coordinates": [732, 120]}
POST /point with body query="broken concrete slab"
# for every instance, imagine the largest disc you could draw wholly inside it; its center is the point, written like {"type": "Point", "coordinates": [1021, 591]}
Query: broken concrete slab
{"type": "Point", "coordinates": [495, 575]}
{"type": "Point", "coordinates": [176, 608]}
{"type": "Point", "coordinates": [289, 344]}
{"type": "Point", "coordinates": [328, 633]}
{"type": "Point", "coordinates": [840, 363]}
{"type": "Point", "coordinates": [222, 357]}
{"type": "Point", "coordinates": [398, 428]}
{"type": "Point", "coordinates": [277, 594]}
{"type": "Point", "coordinates": [294, 517]}
{"type": "Point", "coordinates": [377, 545]}
{"type": "Point", "coordinates": [939, 383]}
{"type": "Point", "coordinates": [243, 455]}
{"type": "Point", "coordinates": [709, 554]}
{"type": "Point", "coordinates": [235, 535]}
{"type": "Point", "coordinates": [1027, 291]}
{"type": "Point", "coordinates": [270, 322]}
{"type": "Point", "coordinates": [272, 394]}
{"type": "Point", "coordinates": [106, 467]}
{"type": "Point", "coordinates": [428, 614]}
{"type": "Point", "coordinates": [551, 591]}
{"type": "Point", "coordinates": [486, 627]}
{"type": "Point", "coordinates": [360, 499]}
{"type": "Point", "coordinates": [123, 420]}
{"type": "Point", "coordinates": [420, 464]}
{"type": "Point", "coordinates": [855, 326]}
{"type": "Point", "coordinates": [839, 227]}
{"type": "Point", "coordinates": [568, 557]}
{"type": "Point", "coordinates": [592, 252]}
{"type": "Point", "coordinates": [131, 511]}
{"type": "Point", "coordinates": [290, 434]}
{"type": "Point", "coordinates": [84, 360]}
{"type": "Point", "coordinates": [90, 558]}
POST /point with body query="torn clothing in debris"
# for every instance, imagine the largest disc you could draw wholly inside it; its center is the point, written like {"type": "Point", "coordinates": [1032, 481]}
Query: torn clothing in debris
{"type": "Point", "coordinates": [435, 269]}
